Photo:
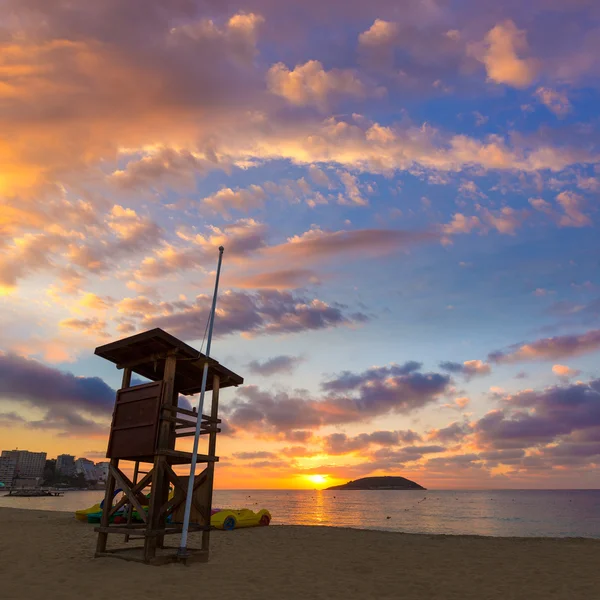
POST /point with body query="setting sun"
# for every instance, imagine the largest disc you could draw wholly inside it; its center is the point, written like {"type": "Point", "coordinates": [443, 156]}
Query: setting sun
{"type": "Point", "coordinates": [318, 479]}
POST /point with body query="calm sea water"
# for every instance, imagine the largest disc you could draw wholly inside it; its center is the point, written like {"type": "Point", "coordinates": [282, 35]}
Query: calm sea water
{"type": "Point", "coordinates": [522, 513]}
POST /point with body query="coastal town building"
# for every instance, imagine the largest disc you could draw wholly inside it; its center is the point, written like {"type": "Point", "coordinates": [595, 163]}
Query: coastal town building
{"type": "Point", "coordinates": [8, 465]}
{"type": "Point", "coordinates": [102, 471]}
{"type": "Point", "coordinates": [87, 468]}
{"type": "Point", "coordinates": [65, 464]}
{"type": "Point", "coordinates": [28, 465]}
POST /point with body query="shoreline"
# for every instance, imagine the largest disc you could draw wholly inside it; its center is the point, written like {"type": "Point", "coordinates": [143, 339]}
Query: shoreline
{"type": "Point", "coordinates": [49, 555]}
{"type": "Point", "coordinates": [345, 528]}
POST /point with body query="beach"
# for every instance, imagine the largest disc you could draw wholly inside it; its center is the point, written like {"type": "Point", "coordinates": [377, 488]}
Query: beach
{"type": "Point", "coordinates": [50, 555]}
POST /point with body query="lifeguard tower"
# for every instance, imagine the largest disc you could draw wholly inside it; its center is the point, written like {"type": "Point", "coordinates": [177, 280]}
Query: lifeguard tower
{"type": "Point", "coordinates": [147, 422]}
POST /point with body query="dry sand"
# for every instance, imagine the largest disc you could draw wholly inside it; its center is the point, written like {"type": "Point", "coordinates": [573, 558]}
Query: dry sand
{"type": "Point", "coordinates": [50, 555]}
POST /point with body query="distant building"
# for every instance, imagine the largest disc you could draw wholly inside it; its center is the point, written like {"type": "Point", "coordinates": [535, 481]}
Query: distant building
{"type": "Point", "coordinates": [102, 471]}
{"type": "Point", "coordinates": [87, 468]}
{"type": "Point", "coordinates": [8, 466]}
{"type": "Point", "coordinates": [65, 465]}
{"type": "Point", "coordinates": [29, 465]}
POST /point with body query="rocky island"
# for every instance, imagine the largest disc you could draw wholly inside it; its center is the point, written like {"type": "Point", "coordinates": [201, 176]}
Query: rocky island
{"type": "Point", "coordinates": [379, 483]}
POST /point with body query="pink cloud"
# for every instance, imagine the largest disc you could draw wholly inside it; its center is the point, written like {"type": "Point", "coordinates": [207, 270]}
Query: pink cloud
{"type": "Point", "coordinates": [555, 101]}
{"type": "Point", "coordinates": [573, 205]}
{"type": "Point", "coordinates": [265, 312]}
{"type": "Point", "coordinates": [553, 348]}
{"type": "Point", "coordinates": [275, 280]}
{"type": "Point", "coordinates": [371, 397]}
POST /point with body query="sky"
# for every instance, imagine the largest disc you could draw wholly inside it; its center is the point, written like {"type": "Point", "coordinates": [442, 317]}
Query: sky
{"type": "Point", "coordinates": [407, 192]}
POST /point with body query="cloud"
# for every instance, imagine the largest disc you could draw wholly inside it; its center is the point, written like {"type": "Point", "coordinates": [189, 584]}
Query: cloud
{"type": "Point", "coordinates": [500, 51]}
{"type": "Point", "coordinates": [241, 238]}
{"type": "Point", "coordinates": [92, 326]}
{"type": "Point", "coordinates": [564, 371]}
{"type": "Point", "coordinates": [539, 417]}
{"type": "Point", "coordinates": [167, 167]}
{"type": "Point", "coordinates": [310, 83]}
{"type": "Point", "coordinates": [452, 434]}
{"type": "Point", "coordinates": [469, 368]}
{"type": "Point", "coordinates": [340, 443]}
{"type": "Point", "coordinates": [552, 348]}
{"type": "Point", "coordinates": [408, 454]}
{"type": "Point", "coordinates": [32, 382]}
{"type": "Point", "coordinates": [265, 312]}
{"type": "Point", "coordinates": [242, 200]}
{"type": "Point", "coordinates": [275, 280]}
{"type": "Point", "coordinates": [470, 190]}
{"type": "Point", "coordinates": [381, 33]}
{"type": "Point", "coordinates": [480, 119]}
{"type": "Point", "coordinates": [318, 176]}
{"type": "Point", "coordinates": [247, 237]}
{"type": "Point", "coordinates": [112, 95]}
{"type": "Point", "coordinates": [590, 184]}
{"type": "Point", "coordinates": [109, 90]}
{"type": "Point", "coordinates": [573, 205]}
{"type": "Point", "coordinates": [505, 221]}
{"type": "Point", "coordinates": [70, 423]}
{"type": "Point", "coordinates": [415, 51]}
{"type": "Point", "coordinates": [317, 244]}
{"type": "Point", "coordinates": [459, 404]}
{"type": "Point", "coordinates": [555, 101]}
{"type": "Point", "coordinates": [94, 302]}
{"type": "Point", "coordinates": [461, 224]}
{"type": "Point", "coordinates": [275, 365]}
{"type": "Point", "coordinates": [240, 33]}
{"type": "Point", "coordinates": [347, 380]}
{"type": "Point", "coordinates": [74, 405]}
{"type": "Point", "coordinates": [77, 243]}
{"type": "Point", "coordinates": [9, 419]}
{"type": "Point", "coordinates": [353, 195]}
{"type": "Point", "coordinates": [372, 395]}
{"type": "Point", "coordinates": [254, 455]}
{"type": "Point", "coordinates": [376, 45]}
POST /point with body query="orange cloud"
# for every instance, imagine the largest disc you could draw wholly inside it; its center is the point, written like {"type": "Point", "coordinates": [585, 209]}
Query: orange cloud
{"type": "Point", "coordinates": [564, 371]}
{"type": "Point", "coordinates": [311, 84]}
{"type": "Point", "coordinates": [499, 53]}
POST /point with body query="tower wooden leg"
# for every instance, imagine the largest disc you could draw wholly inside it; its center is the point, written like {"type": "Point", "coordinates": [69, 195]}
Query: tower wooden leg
{"type": "Point", "coordinates": [110, 483]}
{"type": "Point", "coordinates": [108, 498]}
{"type": "Point", "coordinates": [151, 542]}
{"type": "Point", "coordinates": [210, 468]}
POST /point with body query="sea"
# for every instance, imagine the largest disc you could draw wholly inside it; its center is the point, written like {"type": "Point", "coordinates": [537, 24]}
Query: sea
{"type": "Point", "coordinates": [505, 513]}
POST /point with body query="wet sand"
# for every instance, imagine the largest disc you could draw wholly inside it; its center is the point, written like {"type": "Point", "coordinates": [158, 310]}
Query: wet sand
{"type": "Point", "coordinates": [50, 555]}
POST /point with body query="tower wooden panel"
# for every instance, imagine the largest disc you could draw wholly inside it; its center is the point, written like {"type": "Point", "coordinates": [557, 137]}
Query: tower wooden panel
{"type": "Point", "coordinates": [134, 429]}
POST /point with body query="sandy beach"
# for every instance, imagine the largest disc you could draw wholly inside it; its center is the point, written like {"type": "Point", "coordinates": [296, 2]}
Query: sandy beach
{"type": "Point", "coordinates": [50, 555]}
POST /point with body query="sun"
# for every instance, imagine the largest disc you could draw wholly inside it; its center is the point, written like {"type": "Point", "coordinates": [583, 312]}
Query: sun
{"type": "Point", "coordinates": [318, 479]}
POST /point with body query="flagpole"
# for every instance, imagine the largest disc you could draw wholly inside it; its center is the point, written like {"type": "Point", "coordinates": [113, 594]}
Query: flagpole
{"type": "Point", "coordinates": [182, 551]}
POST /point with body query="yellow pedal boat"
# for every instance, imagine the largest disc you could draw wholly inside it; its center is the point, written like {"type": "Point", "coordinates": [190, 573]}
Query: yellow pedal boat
{"type": "Point", "coordinates": [235, 519]}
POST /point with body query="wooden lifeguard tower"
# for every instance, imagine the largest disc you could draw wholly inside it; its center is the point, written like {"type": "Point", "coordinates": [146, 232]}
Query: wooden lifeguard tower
{"type": "Point", "coordinates": [146, 424]}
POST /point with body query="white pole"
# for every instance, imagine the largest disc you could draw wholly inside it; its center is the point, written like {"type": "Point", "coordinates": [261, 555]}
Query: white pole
{"type": "Point", "coordinates": [182, 552]}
